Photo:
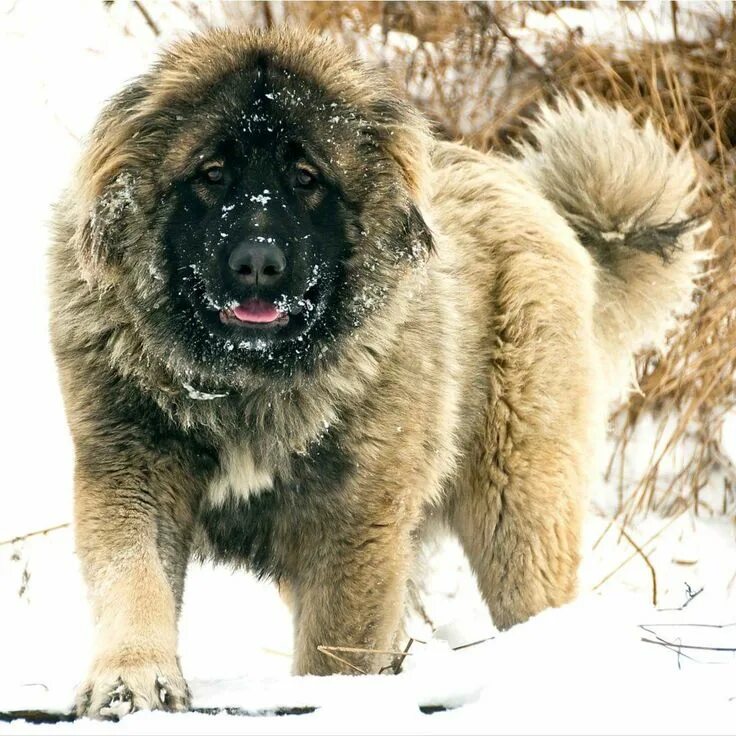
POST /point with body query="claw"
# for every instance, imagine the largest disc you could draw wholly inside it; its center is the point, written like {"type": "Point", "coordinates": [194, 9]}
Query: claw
{"type": "Point", "coordinates": [135, 689]}
{"type": "Point", "coordinates": [120, 702]}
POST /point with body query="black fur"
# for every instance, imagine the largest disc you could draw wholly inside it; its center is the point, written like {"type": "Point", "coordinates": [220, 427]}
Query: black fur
{"type": "Point", "coordinates": [256, 533]}
{"type": "Point", "coordinates": [662, 240]}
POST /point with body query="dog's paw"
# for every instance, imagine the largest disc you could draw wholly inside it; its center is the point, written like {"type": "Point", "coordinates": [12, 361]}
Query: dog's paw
{"type": "Point", "coordinates": [118, 686]}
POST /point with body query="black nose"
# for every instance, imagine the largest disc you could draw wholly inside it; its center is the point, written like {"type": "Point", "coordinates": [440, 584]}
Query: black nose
{"type": "Point", "coordinates": [258, 264]}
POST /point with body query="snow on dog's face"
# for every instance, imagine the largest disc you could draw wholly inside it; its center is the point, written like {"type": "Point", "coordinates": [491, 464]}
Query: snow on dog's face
{"type": "Point", "coordinates": [255, 201]}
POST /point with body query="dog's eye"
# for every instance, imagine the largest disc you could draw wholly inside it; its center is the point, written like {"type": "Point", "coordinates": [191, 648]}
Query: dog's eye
{"type": "Point", "coordinates": [304, 177]}
{"type": "Point", "coordinates": [213, 174]}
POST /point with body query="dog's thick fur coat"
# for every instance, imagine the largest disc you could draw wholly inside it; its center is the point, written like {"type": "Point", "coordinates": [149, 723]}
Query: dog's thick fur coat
{"type": "Point", "coordinates": [499, 303]}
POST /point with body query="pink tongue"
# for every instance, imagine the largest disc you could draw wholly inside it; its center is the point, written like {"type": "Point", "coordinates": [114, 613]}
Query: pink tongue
{"type": "Point", "coordinates": [256, 310]}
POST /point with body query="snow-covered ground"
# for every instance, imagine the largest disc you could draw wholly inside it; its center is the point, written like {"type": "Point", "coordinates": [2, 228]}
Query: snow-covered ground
{"type": "Point", "coordinates": [584, 668]}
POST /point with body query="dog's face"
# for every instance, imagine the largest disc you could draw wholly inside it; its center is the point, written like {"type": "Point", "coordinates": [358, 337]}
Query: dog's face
{"type": "Point", "coordinates": [280, 211]}
{"type": "Point", "coordinates": [266, 219]}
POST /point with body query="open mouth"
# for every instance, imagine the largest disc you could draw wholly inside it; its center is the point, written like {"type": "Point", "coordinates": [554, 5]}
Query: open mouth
{"type": "Point", "coordinates": [257, 313]}
{"type": "Point", "coordinates": [264, 314]}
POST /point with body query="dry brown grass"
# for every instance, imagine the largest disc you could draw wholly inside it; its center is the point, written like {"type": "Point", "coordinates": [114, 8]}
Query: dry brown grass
{"type": "Point", "coordinates": [474, 76]}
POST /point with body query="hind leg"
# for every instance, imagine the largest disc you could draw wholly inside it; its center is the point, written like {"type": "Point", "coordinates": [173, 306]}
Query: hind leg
{"type": "Point", "coordinates": [519, 523]}
{"type": "Point", "coordinates": [519, 501]}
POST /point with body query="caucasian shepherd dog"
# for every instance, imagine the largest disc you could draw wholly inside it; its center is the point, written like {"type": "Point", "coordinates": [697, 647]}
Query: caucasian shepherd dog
{"type": "Point", "coordinates": [297, 333]}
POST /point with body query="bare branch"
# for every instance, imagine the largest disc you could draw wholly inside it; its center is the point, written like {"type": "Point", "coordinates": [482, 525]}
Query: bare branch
{"type": "Point", "coordinates": [147, 17]}
{"type": "Point", "coordinates": [34, 534]}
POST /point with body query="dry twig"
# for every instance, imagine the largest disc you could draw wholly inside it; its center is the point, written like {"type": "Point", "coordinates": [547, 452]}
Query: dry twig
{"type": "Point", "coordinates": [40, 532]}
{"type": "Point", "coordinates": [147, 17]}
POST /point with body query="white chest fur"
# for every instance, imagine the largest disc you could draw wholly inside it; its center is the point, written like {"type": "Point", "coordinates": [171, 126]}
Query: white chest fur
{"type": "Point", "coordinates": [239, 477]}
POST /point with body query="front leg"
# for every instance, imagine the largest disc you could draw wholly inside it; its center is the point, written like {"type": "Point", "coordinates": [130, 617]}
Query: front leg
{"type": "Point", "coordinates": [354, 598]}
{"type": "Point", "coordinates": [134, 510]}
{"type": "Point", "coordinates": [350, 593]}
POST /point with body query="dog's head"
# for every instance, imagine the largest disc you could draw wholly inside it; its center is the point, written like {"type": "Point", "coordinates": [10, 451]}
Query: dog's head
{"type": "Point", "coordinates": [252, 199]}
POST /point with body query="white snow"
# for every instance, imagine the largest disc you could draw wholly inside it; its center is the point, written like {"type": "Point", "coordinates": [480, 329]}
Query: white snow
{"type": "Point", "coordinates": [198, 395]}
{"type": "Point", "coordinates": [580, 669]}
{"type": "Point", "coordinates": [263, 199]}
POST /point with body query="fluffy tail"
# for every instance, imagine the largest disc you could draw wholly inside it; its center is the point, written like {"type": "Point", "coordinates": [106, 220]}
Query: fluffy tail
{"type": "Point", "coordinates": [628, 196]}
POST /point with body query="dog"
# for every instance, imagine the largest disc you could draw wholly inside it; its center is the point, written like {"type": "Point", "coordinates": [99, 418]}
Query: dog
{"type": "Point", "coordinates": [297, 333]}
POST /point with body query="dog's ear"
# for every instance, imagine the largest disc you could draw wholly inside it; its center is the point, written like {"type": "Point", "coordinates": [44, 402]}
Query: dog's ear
{"type": "Point", "coordinates": [412, 155]}
{"type": "Point", "coordinates": [406, 138]}
{"type": "Point", "coordinates": [105, 227]}
{"type": "Point", "coordinates": [104, 201]}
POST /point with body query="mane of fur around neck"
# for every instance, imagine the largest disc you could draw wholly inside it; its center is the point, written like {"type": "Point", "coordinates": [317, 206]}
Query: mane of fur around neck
{"type": "Point", "coordinates": [278, 416]}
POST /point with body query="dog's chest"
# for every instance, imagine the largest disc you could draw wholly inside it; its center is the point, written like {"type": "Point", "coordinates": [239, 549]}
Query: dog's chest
{"type": "Point", "coordinates": [239, 477]}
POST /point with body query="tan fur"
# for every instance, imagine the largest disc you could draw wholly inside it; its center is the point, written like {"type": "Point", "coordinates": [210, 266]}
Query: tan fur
{"type": "Point", "coordinates": [601, 171]}
{"type": "Point", "coordinates": [135, 608]}
{"type": "Point", "coordinates": [474, 393]}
